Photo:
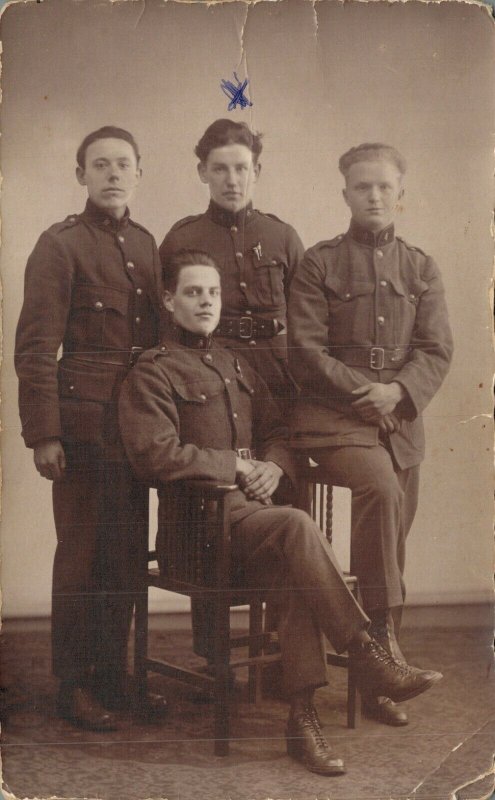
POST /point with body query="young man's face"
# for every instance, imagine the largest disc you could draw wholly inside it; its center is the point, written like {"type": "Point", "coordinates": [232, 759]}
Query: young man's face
{"type": "Point", "coordinates": [111, 174]}
{"type": "Point", "coordinates": [196, 303]}
{"type": "Point", "coordinates": [372, 191]}
{"type": "Point", "coordinates": [231, 175]}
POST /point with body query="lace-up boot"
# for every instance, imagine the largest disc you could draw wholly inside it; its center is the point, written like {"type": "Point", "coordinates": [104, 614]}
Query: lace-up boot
{"type": "Point", "coordinates": [306, 743]}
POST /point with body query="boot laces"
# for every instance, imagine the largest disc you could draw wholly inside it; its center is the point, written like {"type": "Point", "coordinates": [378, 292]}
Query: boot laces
{"type": "Point", "coordinates": [382, 655]}
{"type": "Point", "coordinates": [312, 721]}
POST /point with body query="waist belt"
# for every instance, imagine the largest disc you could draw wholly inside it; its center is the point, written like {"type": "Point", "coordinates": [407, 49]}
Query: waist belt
{"type": "Point", "coordinates": [372, 357]}
{"type": "Point", "coordinates": [114, 358]}
{"type": "Point", "coordinates": [248, 327]}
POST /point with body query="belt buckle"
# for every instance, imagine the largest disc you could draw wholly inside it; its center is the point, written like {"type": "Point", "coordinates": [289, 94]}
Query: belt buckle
{"type": "Point", "coordinates": [134, 355]}
{"type": "Point", "coordinates": [244, 453]}
{"type": "Point", "coordinates": [377, 358]}
{"type": "Point", "coordinates": [243, 321]}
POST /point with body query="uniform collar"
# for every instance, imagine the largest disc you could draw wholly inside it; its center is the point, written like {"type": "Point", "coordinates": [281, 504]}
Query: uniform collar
{"type": "Point", "coordinates": [192, 340]}
{"type": "Point", "coordinates": [101, 217]}
{"type": "Point", "coordinates": [370, 238]}
{"type": "Point", "coordinates": [229, 218]}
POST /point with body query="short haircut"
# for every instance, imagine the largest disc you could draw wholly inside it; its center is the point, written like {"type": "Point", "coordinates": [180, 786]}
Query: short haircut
{"type": "Point", "coordinates": [223, 132]}
{"type": "Point", "coordinates": [180, 259]}
{"type": "Point", "coordinates": [107, 132]}
{"type": "Point", "coordinates": [372, 151]}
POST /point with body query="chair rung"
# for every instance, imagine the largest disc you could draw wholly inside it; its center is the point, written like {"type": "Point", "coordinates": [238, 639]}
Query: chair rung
{"type": "Point", "coordinates": [197, 679]}
{"type": "Point", "coordinates": [252, 661]}
{"type": "Point", "coordinates": [337, 660]}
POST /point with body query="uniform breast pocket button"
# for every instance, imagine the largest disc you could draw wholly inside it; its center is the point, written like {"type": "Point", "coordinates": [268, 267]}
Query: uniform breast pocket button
{"type": "Point", "coordinates": [239, 255]}
{"type": "Point", "coordinates": [99, 305]}
{"type": "Point", "coordinates": [227, 380]}
{"type": "Point", "coordinates": [202, 396]}
{"type": "Point", "coordinates": [71, 388]}
{"type": "Point", "coordinates": [347, 295]}
{"type": "Point", "coordinates": [235, 415]}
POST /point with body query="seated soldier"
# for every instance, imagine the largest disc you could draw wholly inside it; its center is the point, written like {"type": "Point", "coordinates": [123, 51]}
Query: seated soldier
{"type": "Point", "coordinates": [187, 410]}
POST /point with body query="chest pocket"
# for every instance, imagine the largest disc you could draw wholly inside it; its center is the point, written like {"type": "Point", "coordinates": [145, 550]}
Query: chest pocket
{"type": "Point", "coordinates": [98, 314]}
{"type": "Point", "coordinates": [406, 298]}
{"type": "Point", "coordinates": [350, 309]}
{"type": "Point", "coordinates": [199, 392]}
{"type": "Point", "coordinates": [268, 274]}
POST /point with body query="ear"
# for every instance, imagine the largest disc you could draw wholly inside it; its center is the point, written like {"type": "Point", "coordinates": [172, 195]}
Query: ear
{"type": "Point", "coordinates": [402, 193]}
{"type": "Point", "coordinates": [168, 301]}
{"type": "Point", "coordinates": [344, 194]}
{"type": "Point", "coordinates": [257, 171]}
{"type": "Point", "coordinates": [202, 172]}
{"type": "Point", "coordinates": [139, 174]}
{"type": "Point", "coordinates": [80, 175]}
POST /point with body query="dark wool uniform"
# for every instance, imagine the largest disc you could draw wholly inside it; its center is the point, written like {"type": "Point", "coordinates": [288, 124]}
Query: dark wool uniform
{"type": "Point", "coordinates": [92, 286]}
{"type": "Point", "coordinates": [368, 307]}
{"type": "Point", "coordinates": [257, 254]}
{"type": "Point", "coordinates": [185, 409]}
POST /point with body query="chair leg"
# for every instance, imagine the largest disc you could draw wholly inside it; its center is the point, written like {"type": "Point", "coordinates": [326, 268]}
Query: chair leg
{"type": "Point", "coordinates": [222, 688]}
{"type": "Point", "coordinates": [141, 645]}
{"type": "Point", "coordinates": [353, 700]}
{"type": "Point", "coordinates": [255, 648]}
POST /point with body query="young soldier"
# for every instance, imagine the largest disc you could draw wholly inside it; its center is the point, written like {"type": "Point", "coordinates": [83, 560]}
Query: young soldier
{"type": "Point", "coordinates": [370, 345]}
{"type": "Point", "coordinates": [257, 254]}
{"type": "Point", "coordinates": [190, 409]}
{"type": "Point", "coordinates": [92, 287]}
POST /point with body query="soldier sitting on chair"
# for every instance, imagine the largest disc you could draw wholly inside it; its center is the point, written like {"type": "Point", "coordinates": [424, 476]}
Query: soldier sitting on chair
{"type": "Point", "coordinates": [370, 344]}
{"type": "Point", "coordinates": [189, 409]}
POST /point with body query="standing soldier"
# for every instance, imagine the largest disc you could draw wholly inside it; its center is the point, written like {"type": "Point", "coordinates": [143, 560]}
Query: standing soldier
{"type": "Point", "coordinates": [92, 288]}
{"type": "Point", "coordinates": [257, 254]}
{"type": "Point", "coordinates": [370, 346]}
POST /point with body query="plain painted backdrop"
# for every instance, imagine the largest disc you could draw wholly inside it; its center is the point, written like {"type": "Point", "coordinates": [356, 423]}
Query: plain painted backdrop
{"type": "Point", "coordinates": [323, 77]}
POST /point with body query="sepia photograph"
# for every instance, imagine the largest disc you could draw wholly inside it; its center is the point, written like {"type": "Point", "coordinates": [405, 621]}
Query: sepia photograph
{"type": "Point", "coordinates": [247, 428]}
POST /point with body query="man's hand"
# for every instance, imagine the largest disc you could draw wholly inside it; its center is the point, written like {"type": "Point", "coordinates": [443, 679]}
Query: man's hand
{"type": "Point", "coordinates": [258, 479]}
{"type": "Point", "coordinates": [389, 423]}
{"type": "Point", "coordinates": [377, 400]}
{"type": "Point", "coordinates": [49, 459]}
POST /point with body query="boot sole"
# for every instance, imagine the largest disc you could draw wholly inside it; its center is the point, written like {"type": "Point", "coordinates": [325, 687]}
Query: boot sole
{"type": "Point", "coordinates": [384, 718]}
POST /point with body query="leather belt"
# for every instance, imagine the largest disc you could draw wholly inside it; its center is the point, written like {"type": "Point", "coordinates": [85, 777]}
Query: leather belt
{"type": "Point", "coordinates": [372, 357]}
{"type": "Point", "coordinates": [113, 358]}
{"type": "Point", "coordinates": [248, 327]}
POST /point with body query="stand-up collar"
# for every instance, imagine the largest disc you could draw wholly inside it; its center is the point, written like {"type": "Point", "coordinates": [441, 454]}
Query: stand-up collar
{"type": "Point", "coordinates": [371, 238]}
{"type": "Point", "coordinates": [102, 217]}
{"type": "Point", "coordinates": [223, 216]}
{"type": "Point", "coordinates": [195, 341]}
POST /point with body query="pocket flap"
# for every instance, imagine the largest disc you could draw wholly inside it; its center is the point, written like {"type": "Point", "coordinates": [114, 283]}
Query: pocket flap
{"type": "Point", "coordinates": [87, 385]}
{"type": "Point", "coordinates": [347, 290]}
{"type": "Point", "coordinates": [100, 298]}
{"type": "Point", "coordinates": [200, 391]}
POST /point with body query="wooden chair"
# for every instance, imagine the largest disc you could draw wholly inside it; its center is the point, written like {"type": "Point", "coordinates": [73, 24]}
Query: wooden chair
{"type": "Point", "coordinates": [195, 556]}
{"type": "Point", "coordinates": [315, 496]}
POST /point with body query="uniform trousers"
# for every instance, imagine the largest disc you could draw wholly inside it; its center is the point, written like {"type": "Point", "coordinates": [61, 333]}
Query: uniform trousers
{"type": "Point", "coordinates": [281, 551]}
{"type": "Point", "coordinates": [94, 507]}
{"type": "Point", "coordinates": [384, 502]}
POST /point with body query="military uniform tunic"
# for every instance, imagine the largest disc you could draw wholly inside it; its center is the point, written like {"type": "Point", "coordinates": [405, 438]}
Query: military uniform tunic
{"type": "Point", "coordinates": [185, 409]}
{"type": "Point", "coordinates": [368, 307]}
{"type": "Point", "coordinates": [257, 254]}
{"type": "Point", "coordinates": [91, 290]}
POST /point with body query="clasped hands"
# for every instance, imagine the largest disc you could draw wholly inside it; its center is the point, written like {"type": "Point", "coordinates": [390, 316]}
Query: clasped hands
{"type": "Point", "coordinates": [376, 404]}
{"type": "Point", "coordinates": [258, 479]}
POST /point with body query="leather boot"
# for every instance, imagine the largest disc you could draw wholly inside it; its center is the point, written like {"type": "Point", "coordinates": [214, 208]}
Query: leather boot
{"type": "Point", "coordinates": [384, 629]}
{"type": "Point", "coordinates": [79, 705]}
{"type": "Point", "coordinates": [117, 692]}
{"type": "Point", "coordinates": [306, 743]}
{"type": "Point", "coordinates": [378, 673]}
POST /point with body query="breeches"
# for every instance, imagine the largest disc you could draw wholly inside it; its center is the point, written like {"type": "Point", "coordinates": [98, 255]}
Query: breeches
{"type": "Point", "coordinates": [384, 502]}
{"type": "Point", "coordinates": [94, 508]}
{"type": "Point", "coordinates": [280, 551]}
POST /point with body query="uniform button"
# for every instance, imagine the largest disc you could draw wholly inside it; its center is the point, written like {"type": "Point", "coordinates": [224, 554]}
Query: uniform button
{"type": "Point", "coordinates": [71, 219]}
{"type": "Point", "coordinates": [239, 255]}
{"type": "Point", "coordinates": [274, 261]}
{"type": "Point", "coordinates": [106, 222]}
{"type": "Point", "coordinates": [248, 312]}
{"type": "Point", "coordinates": [163, 349]}
{"type": "Point", "coordinates": [234, 229]}
{"type": "Point", "coordinates": [412, 296]}
{"type": "Point", "coordinates": [383, 283]}
{"type": "Point", "coordinates": [252, 343]}
{"type": "Point", "coordinates": [379, 253]}
{"type": "Point", "coordinates": [208, 357]}
{"type": "Point", "coordinates": [98, 305]}
{"type": "Point", "coordinates": [243, 284]}
{"type": "Point", "coordinates": [235, 415]}
{"type": "Point", "coordinates": [139, 291]}
{"type": "Point", "coordinates": [121, 238]}
{"type": "Point", "coordinates": [71, 388]}
{"type": "Point", "coordinates": [227, 380]}
{"type": "Point", "coordinates": [203, 396]}
{"type": "Point", "coordinates": [130, 264]}
{"type": "Point", "coordinates": [381, 320]}
{"type": "Point", "coordinates": [347, 295]}
{"type": "Point", "coordinates": [138, 319]}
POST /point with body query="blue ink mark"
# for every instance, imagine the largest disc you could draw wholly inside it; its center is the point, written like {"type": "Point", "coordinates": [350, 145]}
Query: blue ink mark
{"type": "Point", "coordinates": [235, 93]}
